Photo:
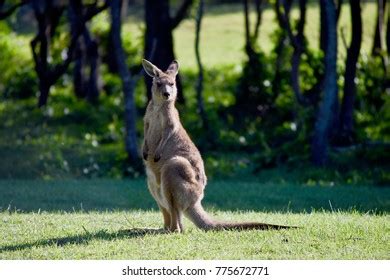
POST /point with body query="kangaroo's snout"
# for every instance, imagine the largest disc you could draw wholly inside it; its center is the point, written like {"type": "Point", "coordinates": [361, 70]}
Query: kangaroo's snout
{"type": "Point", "coordinates": [166, 94]}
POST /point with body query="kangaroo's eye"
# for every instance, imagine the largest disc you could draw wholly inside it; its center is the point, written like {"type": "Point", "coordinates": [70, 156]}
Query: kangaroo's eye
{"type": "Point", "coordinates": [159, 84]}
{"type": "Point", "coordinates": [171, 84]}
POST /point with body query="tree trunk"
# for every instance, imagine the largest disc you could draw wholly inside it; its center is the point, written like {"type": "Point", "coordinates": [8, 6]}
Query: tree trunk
{"type": "Point", "coordinates": [48, 15]}
{"type": "Point", "coordinates": [377, 46]}
{"type": "Point", "coordinates": [250, 92]}
{"type": "Point", "coordinates": [338, 11]}
{"type": "Point", "coordinates": [79, 80]}
{"type": "Point", "coordinates": [298, 50]}
{"type": "Point", "coordinates": [278, 65]}
{"type": "Point", "coordinates": [346, 135]}
{"type": "Point", "coordinates": [85, 81]}
{"type": "Point", "coordinates": [93, 60]}
{"type": "Point", "coordinates": [259, 14]}
{"type": "Point", "coordinates": [329, 103]}
{"type": "Point", "coordinates": [6, 13]}
{"type": "Point", "coordinates": [250, 39]}
{"type": "Point", "coordinates": [199, 84]}
{"type": "Point", "coordinates": [388, 32]}
{"type": "Point", "coordinates": [323, 27]}
{"type": "Point", "coordinates": [297, 41]}
{"type": "Point", "coordinates": [313, 95]}
{"type": "Point", "coordinates": [159, 29]}
{"type": "Point", "coordinates": [41, 55]}
{"type": "Point", "coordinates": [246, 20]}
{"type": "Point", "coordinates": [127, 82]}
{"type": "Point", "coordinates": [44, 90]}
{"type": "Point", "coordinates": [387, 80]}
{"type": "Point", "coordinates": [280, 47]}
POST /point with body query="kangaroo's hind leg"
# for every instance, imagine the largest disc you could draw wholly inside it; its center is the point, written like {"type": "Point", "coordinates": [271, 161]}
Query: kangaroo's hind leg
{"type": "Point", "coordinates": [166, 216]}
{"type": "Point", "coordinates": [173, 220]}
{"type": "Point", "coordinates": [179, 189]}
{"type": "Point", "coordinates": [176, 220]}
{"type": "Point", "coordinates": [155, 192]}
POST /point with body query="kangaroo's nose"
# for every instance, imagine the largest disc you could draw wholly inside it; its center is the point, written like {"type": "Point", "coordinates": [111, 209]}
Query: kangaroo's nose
{"type": "Point", "coordinates": [166, 94]}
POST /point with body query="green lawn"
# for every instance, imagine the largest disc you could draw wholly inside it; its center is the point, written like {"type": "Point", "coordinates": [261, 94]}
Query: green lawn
{"type": "Point", "coordinates": [112, 219]}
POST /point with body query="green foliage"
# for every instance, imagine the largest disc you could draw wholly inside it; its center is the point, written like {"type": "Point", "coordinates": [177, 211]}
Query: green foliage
{"type": "Point", "coordinates": [22, 83]}
{"type": "Point", "coordinates": [373, 103]}
{"type": "Point", "coordinates": [18, 78]}
{"type": "Point", "coordinates": [100, 28]}
{"type": "Point", "coordinates": [66, 139]}
{"type": "Point", "coordinates": [254, 86]}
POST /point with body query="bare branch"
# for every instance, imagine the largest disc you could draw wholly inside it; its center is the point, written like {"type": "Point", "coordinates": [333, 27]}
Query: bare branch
{"type": "Point", "coordinates": [285, 22]}
{"type": "Point", "coordinates": [10, 11]}
{"type": "Point", "coordinates": [343, 38]}
{"type": "Point", "coordinates": [338, 11]}
{"type": "Point", "coordinates": [258, 18]}
{"type": "Point", "coordinates": [150, 58]}
{"type": "Point", "coordinates": [247, 23]}
{"type": "Point", "coordinates": [297, 42]}
{"type": "Point", "coordinates": [181, 13]}
{"type": "Point", "coordinates": [199, 84]}
{"type": "Point", "coordinates": [93, 10]}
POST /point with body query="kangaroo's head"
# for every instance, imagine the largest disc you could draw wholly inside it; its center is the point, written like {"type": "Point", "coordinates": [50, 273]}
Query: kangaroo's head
{"type": "Point", "coordinates": [164, 83]}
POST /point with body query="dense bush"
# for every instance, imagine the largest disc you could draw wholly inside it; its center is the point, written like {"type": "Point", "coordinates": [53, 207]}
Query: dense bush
{"type": "Point", "coordinates": [18, 78]}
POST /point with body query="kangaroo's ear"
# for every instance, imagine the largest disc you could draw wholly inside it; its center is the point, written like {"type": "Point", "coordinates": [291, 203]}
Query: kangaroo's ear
{"type": "Point", "coordinates": [150, 69]}
{"type": "Point", "coordinates": [173, 68]}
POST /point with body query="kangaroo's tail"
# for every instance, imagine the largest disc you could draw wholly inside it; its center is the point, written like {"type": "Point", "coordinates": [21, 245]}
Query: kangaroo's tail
{"type": "Point", "coordinates": [202, 220]}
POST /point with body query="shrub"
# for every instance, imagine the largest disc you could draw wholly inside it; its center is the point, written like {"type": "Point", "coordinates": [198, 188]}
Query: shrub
{"type": "Point", "coordinates": [18, 78]}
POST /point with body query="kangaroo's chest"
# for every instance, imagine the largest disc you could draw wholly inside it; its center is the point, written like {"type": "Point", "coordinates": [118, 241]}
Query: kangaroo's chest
{"type": "Point", "coordinates": [155, 131]}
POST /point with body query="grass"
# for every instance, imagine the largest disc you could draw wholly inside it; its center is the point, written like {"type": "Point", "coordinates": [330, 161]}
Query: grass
{"type": "Point", "coordinates": [111, 219]}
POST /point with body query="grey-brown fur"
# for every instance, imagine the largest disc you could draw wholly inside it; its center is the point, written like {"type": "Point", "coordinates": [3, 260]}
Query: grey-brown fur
{"type": "Point", "coordinates": [174, 167]}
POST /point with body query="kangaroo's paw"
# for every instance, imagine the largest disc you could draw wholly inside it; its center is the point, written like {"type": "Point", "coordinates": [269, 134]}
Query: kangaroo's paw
{"type": "Point", "coordinates": [145, 155]}
{"type": "Point", "coordinates": [157, 157]}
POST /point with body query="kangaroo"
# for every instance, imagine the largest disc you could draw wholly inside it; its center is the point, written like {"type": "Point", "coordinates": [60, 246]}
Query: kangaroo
{"type": "Point", "coordinates": [174, 167]}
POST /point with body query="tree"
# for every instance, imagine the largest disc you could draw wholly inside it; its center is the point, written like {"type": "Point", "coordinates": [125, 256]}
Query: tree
{"type": "Point", "coordinates": [388, 32]}
{"type": "Point", "coordinates": [328, 106]}
{"type": "Point", "coordinates": [251, 93]}
{"type": "Point", "coordinates": [4, 13]}
{"type": "Point", "coordinates": [346, 132]}
{"type": "Point", "coordinates": [280, 45]}
{"type": "Point", "coordinates": [86, 56]}
{"type": "Point", "coordinates": [128, 84]}
{"type": "Point", "coordinates": [308, 97]}
{"type": "Point", "coordinates": [324, 26]}
{"type": "Point", "coordinates": [199, 84]}
{"type": "Point", "coordinates": [48, 15]}
{"type": "Point", "coordinates": [377, 45]}
{"type": "Point", "coordinates": [250, 38]}
{"type": "Point", "coordinates": [86, 67]}
{"type": "Point", "coordinates": [159, 27]}
{"type": "Point", "coordinates": [297, 40]}
{"type": "Point", "coordinates": [319, 86]}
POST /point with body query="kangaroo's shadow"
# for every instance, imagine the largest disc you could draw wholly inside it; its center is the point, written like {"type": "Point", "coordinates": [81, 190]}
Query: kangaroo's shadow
{"type": "Point", "coordinates": [85, 238]}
